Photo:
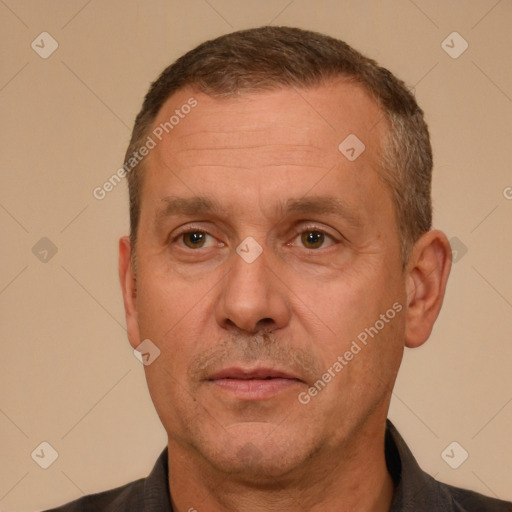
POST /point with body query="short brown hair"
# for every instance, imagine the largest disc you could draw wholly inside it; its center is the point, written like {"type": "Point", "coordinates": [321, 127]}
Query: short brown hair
{"type": "Point", "coordinates": [267, 58]}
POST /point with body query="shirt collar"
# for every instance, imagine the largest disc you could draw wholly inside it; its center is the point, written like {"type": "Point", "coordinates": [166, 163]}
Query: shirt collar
{"type": "Point", "coordinates": [157, 497]}
{"type": "Point", "coordinates": [415, 490]}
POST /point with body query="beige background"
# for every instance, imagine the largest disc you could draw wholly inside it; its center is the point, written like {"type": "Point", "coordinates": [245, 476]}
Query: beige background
{"type": "Point", "coordinates": [68, 374]}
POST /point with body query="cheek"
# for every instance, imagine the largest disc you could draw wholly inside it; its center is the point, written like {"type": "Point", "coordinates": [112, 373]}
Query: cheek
{"type": "Point", "coordinates": [357, 306]}
{"type": "Point", "coordinates": [364, 355]}
{"type": "Point", "coordinates": [175, 315]}
{"type": "Point", "coordinates": [156, 309]}
{"type": "Point", "coordinates": [346, 303]}
{"type": "Point", "coordinates": [164, 303]}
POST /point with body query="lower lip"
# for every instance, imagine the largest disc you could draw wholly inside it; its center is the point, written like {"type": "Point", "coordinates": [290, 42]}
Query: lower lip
{"type": "Point", "coordinates": [255, 389]}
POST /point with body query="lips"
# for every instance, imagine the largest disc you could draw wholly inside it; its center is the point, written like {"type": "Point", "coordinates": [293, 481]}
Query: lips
{"type": "Point", "coordinates": [252, 374]}
{"type": "Point", "coordinates": [253, 384]}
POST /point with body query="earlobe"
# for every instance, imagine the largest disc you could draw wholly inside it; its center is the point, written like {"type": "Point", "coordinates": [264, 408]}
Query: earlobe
{"type": "Point", "coordinates": [427, 275]}
{"type": "Point", "coordinates": [129, 289]}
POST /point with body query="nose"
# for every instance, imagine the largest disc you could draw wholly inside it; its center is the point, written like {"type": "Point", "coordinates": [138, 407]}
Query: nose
{"type": "Point", "coordinates": [252, 298]}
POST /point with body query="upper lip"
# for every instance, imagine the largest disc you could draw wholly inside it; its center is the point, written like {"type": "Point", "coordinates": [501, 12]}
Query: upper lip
{"type": "Point", "coordinates": [252, 373]}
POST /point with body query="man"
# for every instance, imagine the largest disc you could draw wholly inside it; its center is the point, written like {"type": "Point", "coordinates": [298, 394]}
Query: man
{"type": "Point", "coordinates": [280, 258]}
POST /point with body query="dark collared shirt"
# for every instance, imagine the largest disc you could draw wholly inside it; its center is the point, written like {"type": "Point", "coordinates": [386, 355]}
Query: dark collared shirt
{"type": "Point", "coordinates": [415, 491]}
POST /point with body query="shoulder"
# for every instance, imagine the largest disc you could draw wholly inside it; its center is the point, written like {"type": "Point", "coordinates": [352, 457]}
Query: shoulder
{"type": "Point", "coordinates": [418, 491]}
{"type": "Point", "coordinates": [469, 501]}
{"type": "Point", "coordinates": [150, 493]}
{"type": "Point", "coordinates": [126, 497]}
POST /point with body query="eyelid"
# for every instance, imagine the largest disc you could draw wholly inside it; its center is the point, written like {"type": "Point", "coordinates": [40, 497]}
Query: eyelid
{"type": "Point", "coordinates": [188, 228]}
{"type": "Point", "coordinates": [311, 226]}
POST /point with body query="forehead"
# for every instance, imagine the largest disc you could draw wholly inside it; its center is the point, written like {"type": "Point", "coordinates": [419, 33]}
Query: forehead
{"type": "Point", "coordinates": [320, 117]}
{"type": "Point", "coordinates": [280, 142]}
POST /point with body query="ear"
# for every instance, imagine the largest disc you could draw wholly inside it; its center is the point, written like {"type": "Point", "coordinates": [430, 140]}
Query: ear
{"type": "Point", "coordinates": [129, 288]}
{"type": "Point", "coordinates": [427, 274]}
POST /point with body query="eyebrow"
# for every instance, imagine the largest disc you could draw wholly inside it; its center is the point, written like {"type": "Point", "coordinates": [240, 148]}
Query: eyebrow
{"type": "Point", "coordinates": [324, 205]}
{"type": "Point", "coordinates": [188, 206]}
{"type": "Point", "coordinates": [320, 205]}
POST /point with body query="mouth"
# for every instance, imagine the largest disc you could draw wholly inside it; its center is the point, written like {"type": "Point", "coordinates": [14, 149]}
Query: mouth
{"type": "Point", "coordinates": [254, 384]}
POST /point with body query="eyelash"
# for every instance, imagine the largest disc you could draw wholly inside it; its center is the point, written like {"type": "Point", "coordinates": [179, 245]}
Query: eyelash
{"type": "Point", "coordinates": [310, 228]}
{"type": "Point", "coordinates": [313, 228]}
{"type": "Point", "coordinates": [190, 229]}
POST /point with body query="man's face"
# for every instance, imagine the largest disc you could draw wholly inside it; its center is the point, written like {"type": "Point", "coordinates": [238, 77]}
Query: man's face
{"type": "Point", "coordinates": [243, 336]}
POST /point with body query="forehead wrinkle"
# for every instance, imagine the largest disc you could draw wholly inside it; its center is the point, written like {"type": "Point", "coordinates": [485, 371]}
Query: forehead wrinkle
{"type": "Point", "coordinates": [255, 146]}
{"type": "Point", "coordinates": [304, 166]}
{"type": "Point", "coordinates": [257, 133]}
{"type": "Point", "coordinates": [255, 157]}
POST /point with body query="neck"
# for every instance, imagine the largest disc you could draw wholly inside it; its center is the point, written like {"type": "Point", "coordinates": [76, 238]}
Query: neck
{"type": "Point", "coordinates": [354, 477]}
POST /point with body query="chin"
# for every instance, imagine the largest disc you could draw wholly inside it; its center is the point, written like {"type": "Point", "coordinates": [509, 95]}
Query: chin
{"type": "Point", "coordinates": [258, 453]}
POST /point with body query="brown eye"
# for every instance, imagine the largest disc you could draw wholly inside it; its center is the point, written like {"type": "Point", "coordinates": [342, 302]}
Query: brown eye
{"type": "Point", "coordinates": [194, 239]}
{"type": "Point", "coordinates": [312, 239]}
